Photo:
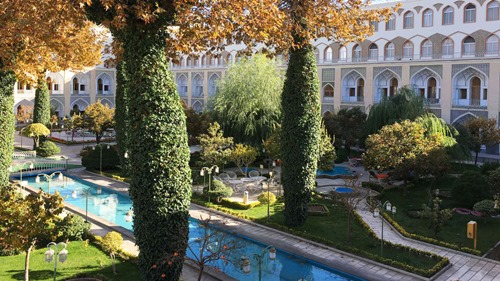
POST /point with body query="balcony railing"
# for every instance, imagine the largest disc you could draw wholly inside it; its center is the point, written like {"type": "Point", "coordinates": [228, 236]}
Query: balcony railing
{"type": "Point", "coordinates": [470, 103]}
{"type": "Point", "coordinates": [431, 101]}
{"type": "Point", "coordinates": [349, 99]}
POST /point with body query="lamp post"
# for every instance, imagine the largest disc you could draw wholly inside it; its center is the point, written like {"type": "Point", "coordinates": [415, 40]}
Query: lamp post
{"type": "Point", "coordinates": [269, 182]}
{"type": "Point", "coordinates": [48, 178]}
{"type": "Point", "coordinates": [31, 166]}
{"type": "Point", "coordinates": [390, 208]}
{"type": "Point", "coordinates": [100, 155]}
{"type": "Point", "coordinates": [85, 191]}
{"type": "Point", "coordinates": [50, 253]}
{"type": "Point", "coordinates": [245, 261]}
{"type": "Point", "coordinates": [214, 168]}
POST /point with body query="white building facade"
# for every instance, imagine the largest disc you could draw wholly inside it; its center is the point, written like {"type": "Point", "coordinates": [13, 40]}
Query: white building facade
{"type": "Point", "coordinates": [448, 51]}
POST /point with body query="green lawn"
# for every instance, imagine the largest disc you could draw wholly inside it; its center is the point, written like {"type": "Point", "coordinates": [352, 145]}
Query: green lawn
{"type": "Point", "coordinates": [90, 262]}
{"type": "Point", "coordinates": [455, 230]}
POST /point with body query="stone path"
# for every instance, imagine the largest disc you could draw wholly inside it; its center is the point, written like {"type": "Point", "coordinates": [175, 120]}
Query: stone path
{"type": "Point", "coordinates": [464, 267]}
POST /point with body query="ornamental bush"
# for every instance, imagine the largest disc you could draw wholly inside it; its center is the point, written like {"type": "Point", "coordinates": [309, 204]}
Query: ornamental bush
{"type": "Point", "coordinates": [470, 188]}
{"type": "Point", "coordinates": [485, 207]}
{"type": "Point", "coordinates": [91, 158]}
{"type": "Point", "coordinates": [219, 190]}
{"type": "Point", "coordinates": [267, 196]}
{"type": "Point", "coordinates": [47, 148]}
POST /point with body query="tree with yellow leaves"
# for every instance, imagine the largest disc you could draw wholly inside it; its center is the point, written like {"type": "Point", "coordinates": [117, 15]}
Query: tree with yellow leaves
{"type": "Point", "coordinates": [148, 32]}
{"type": "Point", "coordinates": [39, 36]}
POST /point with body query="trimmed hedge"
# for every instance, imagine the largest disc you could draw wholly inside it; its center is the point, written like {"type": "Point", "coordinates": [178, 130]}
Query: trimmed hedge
{"type": "Point", "coordinates": [91, 158]}
{"type": "Point", "coordinates": [7, 121]}
{"type": "Point", "coordinates": [373, 186]}
{"type": "Point", "coordinates": [47, 148]}
{"type": "Point", "coordinates": [325, 212]}
{"type": "Point", "coordinates": [403, 232]}
{"type": "Point", "coordinates": [41, 111]}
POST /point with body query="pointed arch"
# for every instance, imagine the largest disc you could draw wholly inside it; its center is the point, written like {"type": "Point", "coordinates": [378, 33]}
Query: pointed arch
{"type": "Point", "coordinates": [80, 84]}
{"type": "Point", "coordinates": [492, 45]}
{"type": "Point", "coordinates": [386, 84]}
{"type": "Point", "coordinates": [57, 83]}
{"type": "Point", "coordinates": [80, 103]}
{"type": "Point", "coordinates": [212, 84]}
{"type": "Point", "coordinates": [470, 88]}
{"type": "Point", "coordinates": [106, 101]}
{"type": "Point", "coordinates": [328, 54]}
{"type": "Point", "coordinates": [59, 107]}
{"type": "Point", "coordinates": [427, 84]}
{"type": "Point", "coordinates": [328, 92]}
{"type": "Point", "coordinates": [353, 85]}
{"type": "Point", "coordinates": [104, 84]}
{"type": "Point", "coordinates": [464, 118]}
{"type": "Point", "coordinates": [197, 86]}
{"type": "Point", "coordinates": [197, 106]}
{"type": "Point", "coordinates": [373, 52]}
{"type": "Point", "coordinates": [182, 85]}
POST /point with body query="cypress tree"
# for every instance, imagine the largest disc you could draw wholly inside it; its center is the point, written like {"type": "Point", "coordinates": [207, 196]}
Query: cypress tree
{"type": "Point", "coordinates": [7, 80]}
{"type": "Point", "coordinates": [300, 133]}
{"type": "Point", "coordinates": [159, 155]}
{"type": "Point", "coordinates": [121, 114]}
{"type": "Point", "coordinates": [41, 111]}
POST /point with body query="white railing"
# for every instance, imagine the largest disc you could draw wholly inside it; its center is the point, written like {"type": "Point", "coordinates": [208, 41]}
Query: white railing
{"type": "Point", "coordinates": [24, 154]}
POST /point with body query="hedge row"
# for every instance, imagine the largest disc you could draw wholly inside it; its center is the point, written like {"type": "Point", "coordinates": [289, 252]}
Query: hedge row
{"type": "Point", "coordinates": [68, 142]}
{"type": "Point", "coordinates": [429, 240]}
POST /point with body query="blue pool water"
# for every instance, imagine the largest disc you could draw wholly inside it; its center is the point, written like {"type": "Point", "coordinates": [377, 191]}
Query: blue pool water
{"type": "Point", "coordinates": [336, 171]}
{"type": "Point", "coordinates": [113, 207]}
{"type": "Point", "coordinates": [343, 189]}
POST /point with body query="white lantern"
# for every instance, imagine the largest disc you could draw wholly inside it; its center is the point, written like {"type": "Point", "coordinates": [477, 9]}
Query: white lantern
{"type": "Point", "coordinates": [393, 209]}
{"type": "Point", "coordinates": [61, 177]}
{"type": "Point", "coordinates": [388, 207]}
{"type": "Point", "coordinates": [128, 217]}
{"type": "Point", "coordinates": [376, 213]}
{"type": "Point", "coordinates": [202, 172]}
{"type": "Point", "coordinates": [37, 179]}
{"type": "Point", "coordinates": [261, 166]}
{"type": "Point", "coordinates": [216, 169]}
{"type": "Point", "coordinates": [63, 255]}
{"type": "Point", "coordinates": [73, 194]}
{"type": "Point", "coordinates": [272, 253]}
{"type": "Point", "coordinates": [32, 166]}
{"type": "Point", "coordinates": [245, 264]}
{"type": "Point", "coordinates": [99, 190]}
{"type": "Point", "coordinates": [49, 255]}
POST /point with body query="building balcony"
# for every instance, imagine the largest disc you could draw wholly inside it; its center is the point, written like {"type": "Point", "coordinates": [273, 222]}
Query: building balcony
{"type": "Point", "coordinates": [349, 99]}
{"type": "Point", "coordinates": [470, 103]}
{"type": "Point", "coordinates": [432, 101]}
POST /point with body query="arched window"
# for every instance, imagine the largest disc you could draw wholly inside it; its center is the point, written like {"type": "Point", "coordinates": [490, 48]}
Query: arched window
{"type": "Point", "coordinates": [391, 23]}
{"type": "Point", "coordinates": [432, 88]}
{"type": "Point", "coordinates": [182, 85]}
{"type": "Point", "coordinates": [20, 86]}
{"type": "Point", "coordinates": [189, 62]}
{"type": "Point", "coordinates": [212, 85]}
{"type": "Point", "coordinates": [469, 46]}
{"type": "Point", "coordinates": [76, 86]}
{"type": "Point", "coordinates": [373, 54]}
{"type": "Point", "coordinates": [492, 45]}
{"type": "Point", "coordinates": [360, 88]}
{"type": "Point", "coordinates": [197, 86]}
{"type": "Point", "coordinates": [448, 15]}
{"type": "Point", "coordinates": [427, 18]}
{"type": "Point", "coordinates": [343, 53]}
{"type": "Point", "coordinates": [356, 53]}
{"type": "Point", "coordinates": [492, 12]}
{"type": "Point", "coordinates": [229, 59]}
{"type": "Point", "coordinates": [470, 13]}
{"type": "Point", "coordinates": [408, 20]}
{"type": "Point", "coordinates": [394, 87]}
{"type": "Point", "coordinates": [447, 48]}
{"type": "Point", "coordinates": [470, 87]}
{"type": "Point", "coordinates": [375, 25]}
{"type": "Point", "coordinates": [328, 54]}
{"type": "Point", "coordinates": [389, 51]}
{"type": "Point", "coordinates": [328, 91]}
{"type": "Point", "coordinates": [426, 49]}
{"type": "Point", "coordinates": [99, 86]}
{"type": "Point", "coordinates": [49, 84]}
{"type": "Point", "coordinates": [475, 84]}
{"type": "Point", "coordinates": [408, 50]}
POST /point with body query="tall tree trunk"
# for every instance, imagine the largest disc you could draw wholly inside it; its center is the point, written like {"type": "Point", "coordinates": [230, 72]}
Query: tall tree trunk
{"type": "Point", "coordinates": [7, 121]}
{"type": "Point", "coordinates": [121, 115]}
{"type": "Point", "coordinates": [158, 143]}
{"type": "Point", "coordinates": [300, 133]}
{"type": "Point", "coordinates": [41, 112]}
{"type": "Point", "coordinates": [27, 264]}
{"type": "Point", "coordinates": [475, 159]}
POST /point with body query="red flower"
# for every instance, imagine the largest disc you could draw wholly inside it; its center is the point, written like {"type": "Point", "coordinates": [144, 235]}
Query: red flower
{"type": "Point", "coordinates": [163, 275]}
{"type": "Point", "coordinates": [154, 266]}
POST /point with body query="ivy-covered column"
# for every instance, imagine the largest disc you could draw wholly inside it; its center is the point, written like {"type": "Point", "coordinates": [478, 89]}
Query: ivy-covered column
{"type": "Point", "coordinates": [300, 133]}
{"type": "Point", "coordinates": [7, 121]}
{"type": "Point", "coordinates": [41, 111]}
{"type": "Point", "coordinates": [159, 157]}
{"type": "Point", "coordinates": [121, 115]}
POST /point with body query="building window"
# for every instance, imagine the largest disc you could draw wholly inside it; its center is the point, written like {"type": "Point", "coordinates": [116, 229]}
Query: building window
{"type": "Point", "coordinates": [28, 86]}
{"type": "Point", "coordinates": [469, 46]}
{"type": "Point", "coordinates": [343, 53]}
{"type": "Point", "coordinates": [375, 25]}
{"type": "Point", "coordinates": [328, 54]}
{"type": "Point", "coordinates": [492, 11]}
{"type": "Point", "coordinates": [447, 48]}
{"type": "Point", "coordinates": [328, 91]}
{"type": "Point", "coordinates": [470, 13]}
{"type": "Point", "coordinates": [394, 87]}
{"type": "Point", "coordinates": [82, 87]}
{"type": "Point", "coordinates": [373, 55]}
{"type": "Point", "coordinates": [391, 23]}
{"type": "Point", "coordinates": [75, 85]}
{"type": "Point", "coordinates": [356, 53]}
{"type": "Point", "coordinates": [408, 50]}
{"type": "Point", "coordinates": [49, 84]}
{"type": "Point", "coordinates": [427, 49]}
{"type": "Point", "coordinates": [448, 15]}
{"type": "Point", "coordinates": [427, 18]}
{"type": "Point", "coordinates": [389, 51]}
{"type": "Point", "coordinates": [99, 86]}
{"type": "Point", "coordinates": [492, 45]}
{"type": "Point", "coordinates": [463, 94]}
{"type": "Point", "coordinates": [20, 86]}
{"type": "Point", "coordinates": [56, 87]}
{"type": "Point", "coordinates": [361, 87]}
{"type": "Point", "coordinates": [408, 20]}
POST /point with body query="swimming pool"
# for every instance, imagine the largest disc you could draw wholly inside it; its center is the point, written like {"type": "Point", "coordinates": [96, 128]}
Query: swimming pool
{"type": "Point", "coordinates": [113, 206]}
{"type": "Point", "coordinates": [336, 171]}
{"type": "Point", "coordinates": [343, 189]}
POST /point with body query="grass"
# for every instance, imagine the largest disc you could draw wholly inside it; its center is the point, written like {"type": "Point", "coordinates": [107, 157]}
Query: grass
{"type": "Point", "coordinates": [82, 262]}
{"type": "Point", "coordinates": [455, 230]}
{"type": "Point", "coordinates": [333, 228]}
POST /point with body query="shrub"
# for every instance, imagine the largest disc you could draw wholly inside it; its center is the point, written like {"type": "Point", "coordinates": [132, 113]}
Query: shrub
{"type": "Point", "coordinates": [342, 156]}
{"type": "Point", "coordinates": [219, 190]}
{"type": "Point", "coordinates": [488, 167]}
{"type": "Point", "coordinates": [470, 188]}
{"type": "Point", "coordinates": [112, 242]}
{"type": "Point", "coordinates": [494, 181]}
{"type": "Point", "coordinates": [485, 207]}
{"type": "Point", "coordinates": [91, 157]}
{"type": "Point", "coordinates": [73, 227]}
{"type": "Point", "coordinates": [47, 148]}
{"type": "Point", "coordinates": [238, 205]}
{"type": "Point", "coordinates": [263, 198]}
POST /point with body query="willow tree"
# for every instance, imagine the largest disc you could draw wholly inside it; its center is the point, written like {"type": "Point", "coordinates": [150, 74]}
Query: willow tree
{"type": "Point", "coordinates": [247, 102]}
{"type": "Point", "coordinates": [38, 35]}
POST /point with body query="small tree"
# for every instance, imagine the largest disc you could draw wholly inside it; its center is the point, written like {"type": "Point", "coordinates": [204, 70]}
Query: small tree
{"type": "Point", "coordinates": [215, 148]}
{"type": "Point", "coordinates": [244, 155]}
{"type": "Point", "coordinates": [437, 217]}
{"type": "Point", "coordinates": [26, 220]}
{"type": "Point", "coordinates": [196, 123]}
{"type": "Point", "coordinates": [272, 144]}
{"type": "Point", "coordinates": [36, 131]}
{"type": "Point", "coordinates": [482, 131]}
{"type": "Point", "coordinates": [470, 188]}
{"type": "Point", "coordinates": [54, 120]}
{"type": "Point", "coordinates": [97, 118]}
{"type": "Point", "coordinates": [326, 151]}
{"type": "Point", "coordinates": [72, 124]}
{"type": "Point", "coordinates": [346, 126]}
{"type": "Point", "coordinates": [112, 243]}
{"type": "Point", "coordinates": [24, 113]}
